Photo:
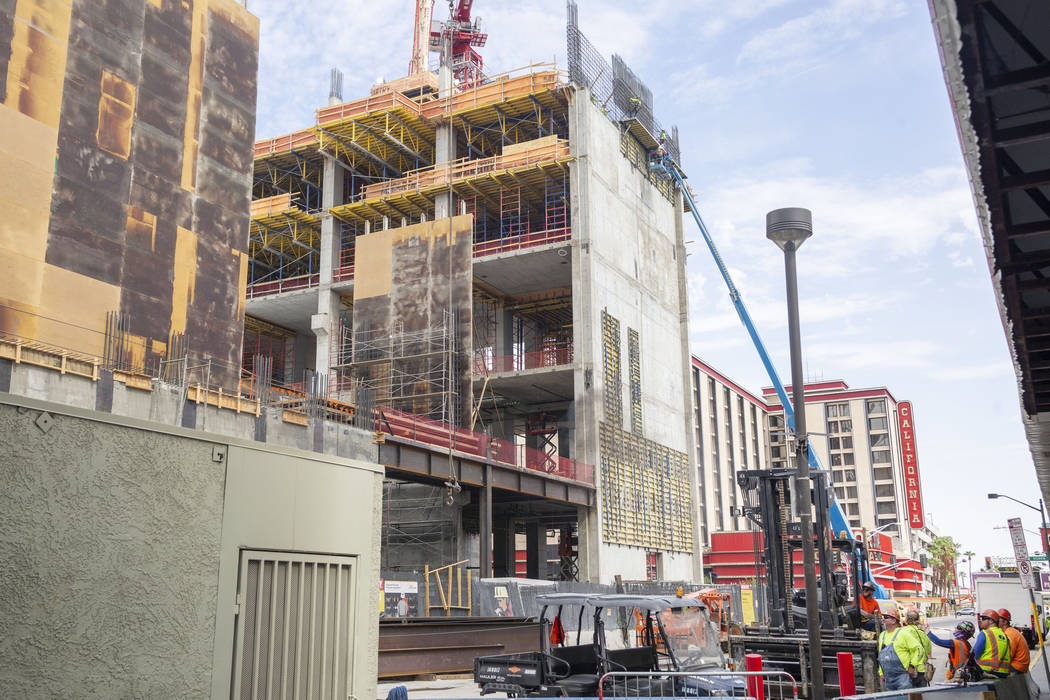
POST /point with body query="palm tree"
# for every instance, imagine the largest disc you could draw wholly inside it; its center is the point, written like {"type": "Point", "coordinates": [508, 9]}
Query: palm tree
{"type": "Point", "coordinates": [969, 569]}
{"type": "Point", "coordinates": [943, 551]}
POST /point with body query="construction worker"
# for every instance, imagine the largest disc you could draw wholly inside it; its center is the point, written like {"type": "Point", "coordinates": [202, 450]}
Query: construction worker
{"type": "Point", "coordinates": [911, 623]}
{"type": "Point", "coordinates": [991, 648]}
{"type": "Point", "coordinates": [1019, 656]}
{"type": "Point", "coordinates": [958, 646]}
{"type": "Point", "coordinates": [870, 614]}
{"type": "Point", "coordinates": [899, 651]}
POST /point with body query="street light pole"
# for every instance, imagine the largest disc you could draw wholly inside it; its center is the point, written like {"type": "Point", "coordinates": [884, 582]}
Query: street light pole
{"type": "Point", "coordinates": [788, 228]}
{"type": "Point", "coordinates": [1043, 538]}
{"type": "Point", "coordinates": [1042, 528]}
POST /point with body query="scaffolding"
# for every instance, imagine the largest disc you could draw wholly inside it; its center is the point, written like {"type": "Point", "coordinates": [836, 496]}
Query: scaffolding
{"type": "Point", "coordinates": [414, 371]}
{"type": "Point", "coordinates": [263, 339]}
{"type": "Point", "coordinates": [284, 246]}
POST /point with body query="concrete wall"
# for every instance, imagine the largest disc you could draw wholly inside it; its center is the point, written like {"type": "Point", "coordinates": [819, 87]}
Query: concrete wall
{"type": "Point", "coordinates": [628, 259]}
{"type": "Point", "coordinates": [121, 544]}
{"type": "Point", "coordinates": [130, 124]}
{"type": "Point", "coordinates": [165, 404]}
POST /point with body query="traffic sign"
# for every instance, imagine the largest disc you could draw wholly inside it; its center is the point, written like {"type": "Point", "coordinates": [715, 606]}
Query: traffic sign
{"type": "Point", "coordinates": [1038, 557]}
{"type": "Point", "coordinates": [1024, 566]}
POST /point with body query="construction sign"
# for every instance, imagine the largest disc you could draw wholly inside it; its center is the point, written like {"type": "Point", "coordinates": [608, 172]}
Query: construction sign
{"type": "Point", "coordinates": [1024, 566]}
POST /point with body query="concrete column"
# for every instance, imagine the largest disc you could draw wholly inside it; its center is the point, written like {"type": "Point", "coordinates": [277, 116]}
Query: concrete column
{"type": "Point", "coordinates": [327, 300]}
{"type": "Point", "coordinates": [535, 545]}
{"type": "Point", "coordinates": [485, 525]}
{"type": "Point", "coordinates": [444, 143]}
{"type": "Point", "coordinates": [504, 333]}
{"type": "Point", "coordinates": [687, 383]}
{"type": "Point", "coordinates": [502, 547]}
{"type": "Point", "coordinates": [586, 318]}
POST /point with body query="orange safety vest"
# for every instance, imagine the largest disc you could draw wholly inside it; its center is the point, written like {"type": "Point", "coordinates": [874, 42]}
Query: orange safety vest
{"type": "Point", "coordinates": [957, 656]}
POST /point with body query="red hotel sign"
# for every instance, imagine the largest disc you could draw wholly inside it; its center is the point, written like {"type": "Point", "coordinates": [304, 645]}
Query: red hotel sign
{"type": "Point", "coordinates": [913, 491]}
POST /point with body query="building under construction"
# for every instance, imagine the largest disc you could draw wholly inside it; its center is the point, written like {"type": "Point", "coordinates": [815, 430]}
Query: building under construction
{"type": "Point", "coordinates": [490, 264]}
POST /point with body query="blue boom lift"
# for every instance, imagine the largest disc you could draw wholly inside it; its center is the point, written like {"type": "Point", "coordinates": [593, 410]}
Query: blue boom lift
{"type": "Point", "coordinates": [781, 643]}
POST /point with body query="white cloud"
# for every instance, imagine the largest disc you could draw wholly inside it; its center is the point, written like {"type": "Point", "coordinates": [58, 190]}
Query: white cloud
{"type": "Point", "coordinates": [974, 372]}
{"type": "Point", "coordinates": [801, 42]}
{"type": "Point", "coordinates": [873, 354]}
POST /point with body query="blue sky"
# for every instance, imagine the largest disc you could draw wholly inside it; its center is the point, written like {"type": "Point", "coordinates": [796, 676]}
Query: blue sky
{"type": "Point", "coordinates": [834, 105]}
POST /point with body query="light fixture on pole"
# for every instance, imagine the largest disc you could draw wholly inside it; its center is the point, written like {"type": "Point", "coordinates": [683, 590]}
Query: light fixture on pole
{"type": "Point", "coordinates": [789, 228]}
{"type": "Point", "coordinates": [1043, 539]}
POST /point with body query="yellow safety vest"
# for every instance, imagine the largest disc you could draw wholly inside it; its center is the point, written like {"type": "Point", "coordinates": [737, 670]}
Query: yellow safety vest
{"type": "Point", "coordinates": [996, 655]}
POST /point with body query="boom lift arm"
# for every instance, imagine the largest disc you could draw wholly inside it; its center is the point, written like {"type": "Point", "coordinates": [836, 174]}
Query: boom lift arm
{"type": "Point", "coordinates": [664, 163]}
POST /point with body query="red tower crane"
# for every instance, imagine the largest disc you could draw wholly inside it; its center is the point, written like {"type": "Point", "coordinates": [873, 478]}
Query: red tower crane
{"type": "Point", "coordinates": [463, 35]}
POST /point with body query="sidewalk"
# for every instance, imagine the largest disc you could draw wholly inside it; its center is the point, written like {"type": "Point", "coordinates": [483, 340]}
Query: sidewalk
{"type": "Point", "coordinates": [1038, 672]}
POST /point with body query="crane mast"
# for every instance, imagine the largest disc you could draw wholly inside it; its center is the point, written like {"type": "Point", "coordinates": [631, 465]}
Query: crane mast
{"type": "Point", "coordinates": [462, 35]}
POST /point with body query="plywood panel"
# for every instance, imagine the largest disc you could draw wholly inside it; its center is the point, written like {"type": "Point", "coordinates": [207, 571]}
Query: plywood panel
{"type": "Point", "coordinates": [184, 278]}
{"type": "Point", "coordinates": [27, 139]}
{"type": "Point", "coordinates": [79, 305]}
{"type": "Point", "coordinates": [35, 73]}
{"type": "Point", "coordinates": [21, 279]}
{"type": "Point", "coordinates": [374, 260]}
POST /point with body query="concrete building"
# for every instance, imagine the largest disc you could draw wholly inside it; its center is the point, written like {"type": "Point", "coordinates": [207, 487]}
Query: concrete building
{"type": "Point", "coordinates": [125, 135]}
{"type": "Point", "coordinates": [864, 437]}
{"type": "Point", "coordinates": [496, 256]}
{"type": "Point", "coordinates": [856, 433]}
{"type": "Point", "coordinates": [732, 433]}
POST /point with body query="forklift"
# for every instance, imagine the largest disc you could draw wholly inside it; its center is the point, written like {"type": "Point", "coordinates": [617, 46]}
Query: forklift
{"type": "Point", "coordinates": [842, 567]}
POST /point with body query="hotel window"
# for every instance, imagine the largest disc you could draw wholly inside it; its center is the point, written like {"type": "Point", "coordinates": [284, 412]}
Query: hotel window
{"type": "Point", "coordinates": [851, 475]}
{"type": "Point", "coordinates": [833, 427]}
{"type": "Point", "coordinates": [754, 437]}
{"type": "Point", "coordinates": [876, 406]}
{"type": "Point", "coordinates": [833, 444]}
{"type": "Point", "coordinates": [833, 410]}
{"type": "Point", "coordinates": [846, 426]}
{"type": "Point", "coordinates": [880, 457]}
{"type": "Point", "coordinates": [836, 460]}
{"type": "Point", "coordinates": [847, 442]}
{"type": "Point", "coordinates": [884, 491]}
{"type": "Point", "coordinates": [843, 410]}
{"type": "Point", "coordinates": [847, 458]}
{"type": "Point", "coordinates": [879, 439]}
{"type": "Point", "coordinates": [840, 492]}
{"type": "Point", "coordinates": [886, 507]}
{"type": "Point", "coordinates": [883, 474]}
{"type": "Point", "coordinates": [876, 424]}
{"type": "Point", "coordinates": [741, 427]}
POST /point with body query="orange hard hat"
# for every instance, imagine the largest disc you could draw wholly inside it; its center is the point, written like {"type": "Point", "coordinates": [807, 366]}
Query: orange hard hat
{"type": "Point", "coordinates": [892, 612]}
{"type": "Point", "coordinates": [990, 613]}
{"type": "Point", "coordinates": [1004, 614]}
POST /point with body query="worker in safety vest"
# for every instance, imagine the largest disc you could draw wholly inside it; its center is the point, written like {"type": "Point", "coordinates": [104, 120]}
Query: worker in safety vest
{"type": "Point", "coordinates": [899, 651]}
{"type": "Point", "coordinates": [958, 646]}
{"type": "Point", "coordinates": [1020, 659]}
{"type": "Point", "coordinates": [870, 614]}
{"type": "Point", "coordinates": [911, 622]}
{"type": "Point", "coordinates": [991, 649]}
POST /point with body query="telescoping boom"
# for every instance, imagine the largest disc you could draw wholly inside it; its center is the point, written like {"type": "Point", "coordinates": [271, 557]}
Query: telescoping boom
{"type": "Point", "coordinates": [664, 163]}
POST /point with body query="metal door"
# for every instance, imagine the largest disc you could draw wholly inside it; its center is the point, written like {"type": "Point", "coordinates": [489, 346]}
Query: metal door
{"type": "Point", "coordinates": [295, 615]}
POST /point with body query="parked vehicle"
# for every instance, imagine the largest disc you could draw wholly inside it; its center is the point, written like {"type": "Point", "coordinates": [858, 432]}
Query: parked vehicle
{"type": "Point", "coordinates": [966, 612]}
{"type": "Point", "coordinates": [565, 669]}
{"type": "Point", "coordinates": [996, 593]}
